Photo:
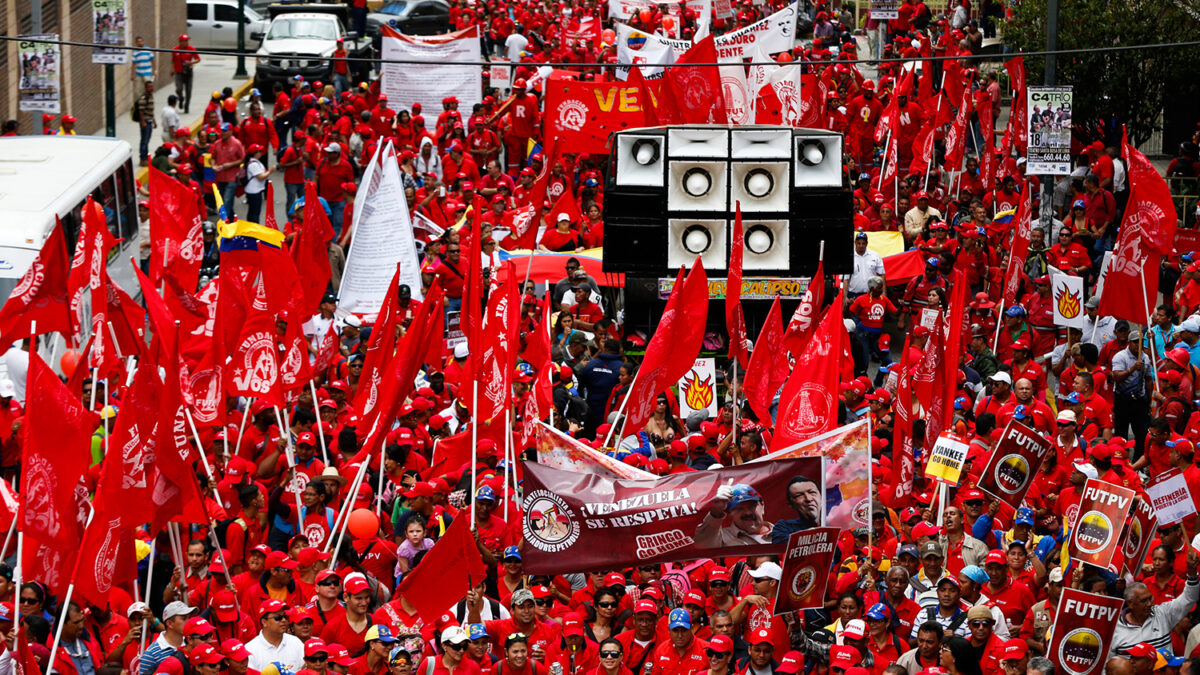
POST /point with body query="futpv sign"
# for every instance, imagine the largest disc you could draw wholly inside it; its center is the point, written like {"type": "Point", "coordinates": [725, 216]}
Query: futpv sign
{"type": "Point", "coordinates": [1095, 534]}
{"type": "Point", "coordinates": [1082, 634]}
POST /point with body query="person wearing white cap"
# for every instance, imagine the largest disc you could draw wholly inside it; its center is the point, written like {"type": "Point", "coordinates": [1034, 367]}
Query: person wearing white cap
{"type": "Point", "coordinates": [1041, 615]}
{"type": "Point", "coordinates": [332, 171]}
{"type": "Point", "coordinates": [562, 237]}
{"type": "Point", "coordinates": [1067, 442]}
{"type": "Point", "coordinates": [1000, 396]}
{"type": "Point", "coordinates": [754, 610]}
{"type": "Point", "coordinates": [1188, 333]}
{"type": "Point", "coordinates": [174, 616]}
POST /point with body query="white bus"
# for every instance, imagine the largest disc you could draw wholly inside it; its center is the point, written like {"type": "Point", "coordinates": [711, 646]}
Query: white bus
{"type": "Point", "coordinates": [43, 177]}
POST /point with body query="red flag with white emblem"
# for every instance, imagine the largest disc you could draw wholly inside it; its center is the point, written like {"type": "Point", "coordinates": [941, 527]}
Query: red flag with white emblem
{"type": "Point", "coordinates": [768, 367]}
{"type": "Point", "coordinates": [175, 231]}
{"type": "Point", "coordinates": [809, 402]}
{"type": "Point", "coordinates": [40, 295]}
{"type": "Point", "coordinates": [800, 326]}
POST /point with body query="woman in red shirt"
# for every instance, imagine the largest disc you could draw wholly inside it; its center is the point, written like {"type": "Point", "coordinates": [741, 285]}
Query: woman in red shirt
{"type": "Point", "coordinates": [593, 227]}
{"type": "Point", "coordinates": [611, 656]}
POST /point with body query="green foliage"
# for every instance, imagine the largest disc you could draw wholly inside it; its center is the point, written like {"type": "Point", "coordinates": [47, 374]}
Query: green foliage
{"type": "Point", "coordinates": [1129, 85]}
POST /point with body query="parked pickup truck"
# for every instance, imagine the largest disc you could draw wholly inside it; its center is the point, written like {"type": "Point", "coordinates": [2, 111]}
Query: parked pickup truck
{"type": "Point", "coordinates": [301, 39]}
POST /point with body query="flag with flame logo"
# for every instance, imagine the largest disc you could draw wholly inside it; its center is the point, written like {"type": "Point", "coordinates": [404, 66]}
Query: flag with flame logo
{"type": "Point", "coordinates": [1068, 300]}
{"type": "Point", "coordinates": [698, 389]}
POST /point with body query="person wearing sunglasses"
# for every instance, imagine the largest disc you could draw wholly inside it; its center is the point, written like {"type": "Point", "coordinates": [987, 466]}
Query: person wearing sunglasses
{"type": "Point", "coordinates": [639, 642]}
{"type": "Point", "coordinates": [399, 661]}
{"type": "Point", "coordinates": [603, 623]}
{"type": "Point", "coordinates": [611, 655]}
{"type": "Point", "coordinates": [375, 661]}
{"type": "Point", "coordinates": [984, 641]}
{"type": "Point", "coordinates": [326, 607]}
{"type": "Point", "coordinates": [720, 656]}
{"type": "Point", "coordinates": [274, 644]}
{"type": "Point", "coordinates": [316, 655]}
{"type": "Point", "coordinates": [720, 594]}
{"type": "Point", "coordinates": [543, 601]}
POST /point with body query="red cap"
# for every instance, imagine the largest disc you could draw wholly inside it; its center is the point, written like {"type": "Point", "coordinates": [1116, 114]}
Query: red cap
{"type": "Point", "coordinates": [721, 643]}
{"type": "Point", "coordinates": [614, 579]}
{"type": "Point", "coordinates": [1015, 648]}
{"type": "Point", "coordinates": [572, 625]}
{"type": "Point", "coordinates": [197, 626]}
{"type": "Point", "coordinates": [315, 646]}
{"type": "Point", "coordinates": [540, 592]}
{"type": "Point", "coordinates": [309, 556]}
{"type": "Point", "coordinates": [339, 655]}
{"type": "Point", "coordinates": [205, 653]}
{"type": "Point", "coordinates": [996, 557]}
{"type": "Point", "coordinates": [301, 613]}
{"type": "Point", "coordinates": [971, 494]}
{"type": "Point", "coordinates": [718, 574]}
{"type": "Point", "coordinates": [644, 606]}
{"type": "Point", "coordinates": [694, 597]}
{"type": "Point", "coordinates": [271, 606]}
{"type": "Point", "coordinates": [306, 438]}
{"type": "Point", "coordinates": [325, 574]}
{"type": "Point", "coordinates": [677, 449]}
{"type": "Point", "coordinates": [277, 559]}
{"type": "Point", "coordinates": [793, 661]}
{"type": "Point", "coordinates": [235, 650]}
{"type": "Point", "coordinates": [421, 489]}
{"type": "Point", "coordinates": [356, 585]}
{"type": "Point", "coordinates": [224, 608]}
{"type": "Point", "coordinates": [1143, 650]}
{"type": "Point", "coordinates": [761, 636]}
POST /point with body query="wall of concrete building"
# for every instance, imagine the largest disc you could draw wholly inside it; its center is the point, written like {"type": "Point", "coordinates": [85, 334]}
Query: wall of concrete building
{"type": "Point", "coordinates": [158, 21]}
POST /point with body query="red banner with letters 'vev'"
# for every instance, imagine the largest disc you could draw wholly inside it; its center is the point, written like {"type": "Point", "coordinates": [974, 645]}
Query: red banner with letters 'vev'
{"type": "Point", "coordinates": [576, 521]}
{"type": "Point", "coordinates": [581, 115]}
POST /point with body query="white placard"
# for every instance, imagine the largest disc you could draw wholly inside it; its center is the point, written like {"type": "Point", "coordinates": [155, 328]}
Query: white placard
{"type": "Point", "coordinates": [429, 83]}
{"type": "Point", "coordinates": [1170, 497]}
{"type": "Point", "coordinates": [383, 238]}
{"type": "Point", "coordinates": [698, 389]}
{"type": "Point", "coordinates": [1066, 295]}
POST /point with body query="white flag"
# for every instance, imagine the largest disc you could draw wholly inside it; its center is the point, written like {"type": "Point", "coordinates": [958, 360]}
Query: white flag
{"type": "Point", "coordinates": [1066, 292]}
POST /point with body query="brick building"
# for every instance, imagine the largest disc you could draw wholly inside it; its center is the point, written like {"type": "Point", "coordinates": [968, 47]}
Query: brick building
{"type": "Point", "coordinates": [158, 21]}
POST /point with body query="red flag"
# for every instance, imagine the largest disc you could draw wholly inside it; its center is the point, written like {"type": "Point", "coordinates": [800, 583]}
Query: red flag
{"type": "Point", "coordinates": [987, 154]}
{"type": "Point", "coordinates": [174, 492]}
{"type": "Point", "coordinates": [522, 222]}
{"type": "Point", "coordinates": [54, 459]}
{"type": "Point", "coordinates": [809, 402]}
{"type": "Point", "coordinates": [1019, 247]}
{"type": "Point", "coordinates": [922, 148]}
{"type": "Point", "coordinates": [899, 486]}
{"type": "Point", "coordinates": [1147, 233]}
{"type": "Point", "coordinates": [537, 353]}
{"type": "Point", "coordinates": [891, 161]}
{"type": "Point", "coordinates": [673, 348]}
{"type": "Point", "coordinates": [269, 208]}
{"type": "Point", "coordinates": [768, 367]}
{"type": "Point", "coordinates": [254, 369]}
{"type": "Point", "coordinates": [950, 329]}
{"type": "Point", "coordinates": [696, 90]}
{"type": "Point", "coordinates": [890, 115]}
{"type": "Point", "coordinates": [451, 453]}
{"type": "Point", "coordinates": [649, 102]}
{"type": "Point", "coordinates": [735, 321]}
{"type": "Point", "coordinates": [566, 204]}
{"type": "Point", "coordinates": [25, 663]}
{"type": "Point", "coordinates": [800, 327]}
{"type": "Point", "coordinates": [294, 368]}
{"type": "Point", "coordinates": [1016, 74]}
{"type": "Point", "coordinates": [89, 272]}
{"type": "Point", "coordinates": [953, 84]}
{"type": "Point", "coordinates": [9, 505]}
{"type": "Point", "coordinates": [812, 101]}
{"type": "Point", "coordinates": [327, 352]}
{"type": "Point", "coordinates": [176, 247]}
{"type": "Point", "coordinates": [379, 351]}
{"type": "Point", "coordinates": [499, 344]}
{"type": "Point", "coordinates": [447, 572]}
{"type": "Point", "coordinates": [40, 295]}
{"type": "Point", "coordinates": [938, 109]}
{"type": "Point", "coordinates": [1018, 124]}
{"type": "Point", "coordinates": [310, 249]}
{"type": "Point", "coordinates": [956, 137]}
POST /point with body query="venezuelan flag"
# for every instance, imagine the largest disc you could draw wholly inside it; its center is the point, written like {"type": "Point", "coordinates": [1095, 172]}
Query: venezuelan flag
{"type": "Point", "coordinates": [1002, 222]}
{"type": "Point", "coordinates": [241, 235]}
{"type": "Point", "coordinates": [534, 148]}
{"type": "Point", "coordinates": [209, 175]}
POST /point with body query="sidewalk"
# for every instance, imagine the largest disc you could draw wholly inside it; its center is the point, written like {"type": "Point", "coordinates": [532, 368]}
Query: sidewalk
{"type": "Point", "coordinates": [213, 73]}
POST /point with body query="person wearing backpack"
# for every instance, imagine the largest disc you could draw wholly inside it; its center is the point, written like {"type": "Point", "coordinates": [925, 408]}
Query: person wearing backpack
{"type": "Point", "coordinates": [947, 613]}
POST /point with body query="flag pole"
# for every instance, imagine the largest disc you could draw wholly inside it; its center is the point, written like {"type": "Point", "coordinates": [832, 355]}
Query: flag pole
{"type": "Point", "coordinates": [474, 437]}
{"type": "Point", "coordinates": [1149, 316]}
{"type": "Point", "coordinates": [66, 603]}
{"type": "Point", "coordinates": [343, 515]}
{"type": "Point", "coordinates": [16, 519]}
{"type": "Point", "coordinates": [149, 578]}
{"type": "Point", "coordinates": [621, 412]}
{"type": "Point", "coordinates": [286, 432]}
{"type": "Point", "coordinates": [999, 323]}
{"type": "Point", "coordinates": [312, 385]}
{"type": "Point", "coordinates": [242, 425]}
{"type": "Point", "coordinates": [195, 436]}
{"type": "Point", "coordinates": [929, 165]}
{"type": "Point", "coordinates": [8, 538]}
{"type": "Point", "coordinates": [382, 474]}
{"type": "Point", "coordinates": [507, 454]}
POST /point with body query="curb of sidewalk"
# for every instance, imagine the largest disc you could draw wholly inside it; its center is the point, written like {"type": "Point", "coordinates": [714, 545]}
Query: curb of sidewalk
{"type": "Point", "coordinates": [144, 172]}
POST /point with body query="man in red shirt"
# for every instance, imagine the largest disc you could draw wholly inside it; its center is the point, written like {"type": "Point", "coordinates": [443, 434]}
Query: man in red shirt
{"type": "Point", "coordinates": [1095, 409]}
{"type": "Point", "coordinates": [541, 633]}
{"type": "Point", "coordinates": [183, 58]}
{"type": "Point", "coordinates": [684, 653]}
{"type": "Point", "coordinates": [258, 129]}
{"type": "Point", "coordinates": [1012, 597]}
{"type": "Point", "coordinates": [350, 629]}
{"type": "Point", "coordinates": [331, 173]}
{"type": "Point", "coordinates": [522, 125]}
{"type": "Point", "coordinates": [586, 312]}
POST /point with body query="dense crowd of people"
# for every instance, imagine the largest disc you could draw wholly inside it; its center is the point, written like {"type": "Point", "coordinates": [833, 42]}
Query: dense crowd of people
{"type": "Point", "coordinates": [960, 586]}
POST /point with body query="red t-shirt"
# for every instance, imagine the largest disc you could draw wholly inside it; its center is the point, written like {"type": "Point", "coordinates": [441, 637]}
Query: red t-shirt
{"type": "Point", "coordinates": [340, 631]}
{"type": "Point", "coordinates": [330, 176]}
{"type": "Point", "coordinates": [871, 310]}
{"type": "Point", "coordinates": [378, 558]}
{"type": "Point", "coordinates": [292, 174]}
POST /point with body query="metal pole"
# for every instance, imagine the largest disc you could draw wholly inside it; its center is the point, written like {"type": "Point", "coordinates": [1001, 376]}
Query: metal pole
{"type": "Point", "coordinates": [312, 385]}
{"type": "Point", "coordinates": [110, 100]}
{"type": "Point", "coordinates": [240, 73]}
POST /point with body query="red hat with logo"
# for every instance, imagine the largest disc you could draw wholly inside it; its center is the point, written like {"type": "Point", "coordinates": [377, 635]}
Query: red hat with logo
{"type": "Point", "coordinates": [235, 650]}
{"type": "Point", "coordinates": [278, 559]}
{"type": "Point", "coordinates": [355, 585]}
{"type": "Point", "coordinates": [694, 597]}
{"type": "Point", "coordinates": [995, 557]}
{"type": "Point", "coordinates": [1015, 648]}
{"type": "Point", "coordinates": [270, 607]}
{"type": "Point", "coordinates": [793, 661]}
{"type": "Point", "coordinates": [205, 653]}
{"type": "Point", "coordinates": [760, 636]}
{"type": "Point", "coordinates": [224, 608]}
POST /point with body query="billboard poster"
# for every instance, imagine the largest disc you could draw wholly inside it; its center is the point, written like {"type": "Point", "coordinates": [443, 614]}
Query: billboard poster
{"type": "Point", "coordinates": [110, 26]}
{"type": "Point", "coordinates": [1049, 110]}
{"type": "Point", "coordinates": [1095, 534]}
{"type": "Point", "coordinates": [885, 10]}
{"type": "Point", "coordinates": [1014, 463]}
{"type": "Point", "coordinates": [806, 566]}
{"type": "Point", "coordinates": [38, 88]}
{"type": "Point", "coordinates": [1083, 629]}
{"type": "Point", "coordinates": [589, 521]}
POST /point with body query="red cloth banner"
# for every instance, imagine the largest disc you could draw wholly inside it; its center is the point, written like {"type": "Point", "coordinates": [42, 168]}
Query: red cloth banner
{"type": "Point", "coordinates": [40, 295]}
{"type": "Point", "coordinates": [808, 404]}
{"type": "Point", "coordinates": [587, 521]}
{"type": "Point", "coordinates": [1095, 534]}
{"type": "Point", "coordinates": [1014, 463]}
{"type": "Point", "coordinates": [1083, 629]}
{"type": "Point", "coordinates": [581, 115]}
{"type": "Point", "coordinates": [806, 568]}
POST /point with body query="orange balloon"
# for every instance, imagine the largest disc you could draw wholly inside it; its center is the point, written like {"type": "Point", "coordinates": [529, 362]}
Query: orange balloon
{"type": "Point", "coordinates": [668, 22]}
{"type": "Point", "coordinates": [363, 523]}
{"type": "Point", "coordinates": [784, 57]}
{"type": "Point", "coordinates": [230, 104]}
{"type": "Point", "coordinates": [68, 362]}
{"type": "Point", "coordinates": [609, 36]}
{"type": "Point", "coordinates": [645, 15]}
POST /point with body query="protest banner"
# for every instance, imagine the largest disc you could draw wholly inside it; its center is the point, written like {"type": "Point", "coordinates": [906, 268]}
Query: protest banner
{"type": "Point", "coordinates": [885, 10]}
{"type": "Point", "coordinates": [698, 389]}
{"type": "Point", "coordinates": [587, 521]}
{"type": "Point", "coordinates": [1083, 629]}
{"type": "Point", "coordinates": [38, 88]}
{"type": "Point", "coordinates": [846, 452]}
{"type": "Point", "coordinates": [559, 451]}
{"type": "Point", "coordinates": [582, 115]}
{"type": "Point", "coordinates": [1067, 295]}
{"type": "Point", "coordinates": [806, 563]}
{"type": "Point", "coordinates": [1013, 464]}
{"type": "Point", "coordinates": [383, 238]}
{"type": "Point", "coordinates": [1049, 115]}
{"type": "Point", "coordinates": [500, 74]}
{"type": "Point", "coordinates": [1139, 532]}
{"type": "Point", "coordinates": [946, 459]}
{"type": "Point", "coordinates": [429, 83]}
{"type": "Point", "coordinates": [110, 26]}
{"type": "Point", "coordinates": [1170, 497]}
{"type": "Point", "coordinates": [1095, 533]}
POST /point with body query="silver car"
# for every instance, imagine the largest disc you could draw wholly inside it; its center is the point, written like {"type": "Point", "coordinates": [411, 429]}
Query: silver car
{"type": "Point", "coordinates": [212, 24]}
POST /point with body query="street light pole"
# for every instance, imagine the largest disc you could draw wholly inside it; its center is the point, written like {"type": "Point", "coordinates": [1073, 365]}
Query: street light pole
{"type": "Point", "coordinates": [240, 73]}
{"type": "Point", "coordinates": [110, 101]}
{"type": "Point", "coordinates": [1050, 79]}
